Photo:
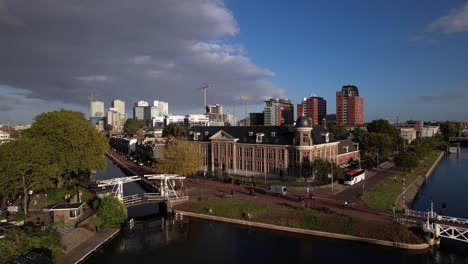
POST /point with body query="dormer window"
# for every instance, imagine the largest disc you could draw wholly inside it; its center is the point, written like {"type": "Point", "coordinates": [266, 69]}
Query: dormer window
{"type": "Point", "coordinates": [346, 149]}
{"type": "Point", "coordinates": [326, 137]}
{"type": "Point", "coordinates": [273, 134]}
{"type": "Point", "coordinates": [260, 137]}
{"type": "Point", "coordinates": [250, 133]}
{"type": "Point", "coordinates": [190, 132]}
{"type": "Point", "coordinates": [195, 135]}
{"type": "Point", "coordinates": [206, 133]}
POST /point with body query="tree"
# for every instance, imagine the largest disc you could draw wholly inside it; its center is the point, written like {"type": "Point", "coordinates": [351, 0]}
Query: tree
{"type": "Point", "coordinates": [180, 157]}
{"type": "Point", "coordinates": [450, 129]}
{"type": "Point", "coordinates": [338, 131]}
{"type": "Point", "coordinates": [108, 127]}
{"type": "Point", "coordinates": [175, 131]}
{"type": "Point", "coordinates": [406, 160]}
{"type": "Point", "coordinates": [131, 126]}
{"type": "Point", "coordinates": [25, 165]}
{"type": "Point", "coordinates": [111, 211]}
{"type": "Point", "coordinates": [75, 144]}
{"type": "Point", "coordinates": [323, 167]}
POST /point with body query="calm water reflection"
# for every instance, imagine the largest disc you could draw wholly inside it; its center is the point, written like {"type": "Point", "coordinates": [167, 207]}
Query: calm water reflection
{"type": "Point", "coordinates": [196, 241]}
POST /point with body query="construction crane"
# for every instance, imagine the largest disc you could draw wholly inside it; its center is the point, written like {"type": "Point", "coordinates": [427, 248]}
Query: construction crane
{"type": "Point", "coordinates": [246, 100]}
{"type": "Point", "coordinates": [204, 87]}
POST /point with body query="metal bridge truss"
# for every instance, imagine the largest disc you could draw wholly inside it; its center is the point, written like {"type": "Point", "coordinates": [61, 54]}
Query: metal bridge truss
{"type": "Point", "coordinates": [117, 185]}
{"type": "Point", "coordinates": [440, 225]}
{"type": "Point", "coordinates": [167, 186]}
{"type": "Point", "coordinates": [167, 189]}
{"type": "Point", "coordinates": [453, 232]}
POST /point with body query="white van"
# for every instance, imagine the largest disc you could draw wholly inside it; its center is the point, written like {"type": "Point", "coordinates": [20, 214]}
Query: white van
{"type": "Point", "coordinates": [277, 189]}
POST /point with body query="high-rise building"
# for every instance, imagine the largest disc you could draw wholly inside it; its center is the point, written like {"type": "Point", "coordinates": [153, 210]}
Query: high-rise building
{"type": "Point", "coordinates": [163, 107]}
{"type": "Point", "coordinates": [97, 109]}
{"type": "Point", "coordinates": [278, 112]}
{"type": "Point", "coordinates": [313, 107]}
{"type": "Point", "coordinates": [349, 106]}
{"type": "Point", "coordinates": [116, 115]}
{"type": "Point", "coordinates": [119, 105]}
{"type": "Point", "coordinates": [141, 103]}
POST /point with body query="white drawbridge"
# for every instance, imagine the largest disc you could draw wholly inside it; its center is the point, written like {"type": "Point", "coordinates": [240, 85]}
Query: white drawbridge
{"type": "Point", "coordinates": [165, 184]}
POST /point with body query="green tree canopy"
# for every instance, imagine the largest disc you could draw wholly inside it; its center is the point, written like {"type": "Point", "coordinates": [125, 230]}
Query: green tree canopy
{"type": "Point", "coordinates": [180, 157]}
{"type": "Point", "coordinates": [406, 160]}
{"type": "Point", "coordinates": [111, 211]}
{"type": "Point", "coordinates": [339, 131]}
{"type": "Point", "coordinates": [131, 126]}
{"type": "Point", "coordinates": [323, 167]}
{"type": "Point", "coordinates": [75, 144]}
{"type": "Point", "coordinates": [26, 165]}
{"type": "Point", "coordinates": [175, 131]}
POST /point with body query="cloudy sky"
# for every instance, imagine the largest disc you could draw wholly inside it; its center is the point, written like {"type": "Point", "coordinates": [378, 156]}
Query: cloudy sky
{"type": "Point", "coordinates": [406, 58]}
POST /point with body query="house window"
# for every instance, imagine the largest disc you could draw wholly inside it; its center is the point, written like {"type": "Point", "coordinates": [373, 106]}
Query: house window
{"type": "Point", "coordinates": [250, 133]}
{"type": "Point", "coordinates": [195, 135]}
{"type": "Point", "coordinates": [260, 137]}
{"type": "Point", "coordinates": [74, 213]}
{"type": "Point", "coordinates": [273, 134]}
{"type": "Point", "coordinates": [206, 133]}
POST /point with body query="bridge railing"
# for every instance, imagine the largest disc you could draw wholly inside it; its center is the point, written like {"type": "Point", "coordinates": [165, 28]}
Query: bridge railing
{"type": "Point", "coordinates": [410, 222]}
{"type": "Point", "coordinates": [153, 197]}
{"type": "Point", "coordinates": [450, 219]}
{"type": "Point", "coordinates": [420, 214]}
{"type": "Point", "coordinates": [457, 233]}
{"type": "Point", "coordinates": [131, 199]}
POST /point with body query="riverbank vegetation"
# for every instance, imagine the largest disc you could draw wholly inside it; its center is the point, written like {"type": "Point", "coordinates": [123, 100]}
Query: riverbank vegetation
{"type": "Point", "coordinates": [18, 242]}
{"type": "Point", "coordinates": [311, 219]}
{"type": "Point", "coordinates": [384, 195]}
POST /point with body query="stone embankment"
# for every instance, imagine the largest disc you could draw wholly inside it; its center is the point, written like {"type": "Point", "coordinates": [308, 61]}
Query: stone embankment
{"type": "Point", "coordinates": [305, 231]}
{"type": "Point", "coordinates": [413, 188]}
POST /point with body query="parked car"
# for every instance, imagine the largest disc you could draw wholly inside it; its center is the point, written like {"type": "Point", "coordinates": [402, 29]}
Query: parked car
{"type": "Point", "coordinates": [12, 209]}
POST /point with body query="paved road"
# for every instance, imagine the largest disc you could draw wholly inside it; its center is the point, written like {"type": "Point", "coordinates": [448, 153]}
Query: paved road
{"type": "Point", "coordinates": [322, 197]}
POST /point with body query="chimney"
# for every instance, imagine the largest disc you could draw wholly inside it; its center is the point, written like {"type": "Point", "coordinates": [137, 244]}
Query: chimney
{"type": "Point", "coordinates": [324, 123]}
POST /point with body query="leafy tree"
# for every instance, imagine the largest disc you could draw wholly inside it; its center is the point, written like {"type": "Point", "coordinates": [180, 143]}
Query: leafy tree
{"type": "Point", "coordinates": [381, 126]}
{"type": "Point", "coordinates": [111, 211]}
{"type": "Point", "coordinates": [450, 129]}
{"type": "Point", "coordinates": [406, 160]}
{"type": "Point", "coordinates": [175, 131]}
{"type": "Point", "coordinates": [338, 131]}
{"type": "Point", "coordinates": [180, 157]}
{"type": "Point", "coordinates": [76, 145]}
{"type": "Point", "coordinates": [132, 126]}
{"type": "Point", "coordinates": [323, 167]}
{"type": "Point", "coordinates": [25, 165]}
{"type": "Point", "coordinates": [20, 241]}
{"type": "Point", "coordinates": [108, 127]}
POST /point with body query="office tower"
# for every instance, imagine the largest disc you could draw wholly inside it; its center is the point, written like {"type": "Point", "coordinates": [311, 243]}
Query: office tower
{"type": "Point", "coordinates": [313, 107]}
{"type": "Point", "coordinates": [97, 109]}
{"type": "Point", "coordinates": [349, 106]}
{"type": "Point", "coordinates": [278, 112]}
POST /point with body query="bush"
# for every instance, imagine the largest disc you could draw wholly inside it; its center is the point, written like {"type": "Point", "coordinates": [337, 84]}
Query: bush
{"type": "Point", "coordinates": [111, 211]}
{"type": "Point", "coordinates": [20, 216]}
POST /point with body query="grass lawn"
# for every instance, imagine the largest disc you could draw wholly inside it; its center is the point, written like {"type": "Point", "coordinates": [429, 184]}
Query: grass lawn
{"type": "Point", "coordinates": [383, 196]}
{"type": "Point", "coordinates": [286, 215]}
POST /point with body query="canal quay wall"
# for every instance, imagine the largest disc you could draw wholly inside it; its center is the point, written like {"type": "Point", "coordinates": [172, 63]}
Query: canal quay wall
{"type": "Point", "coordinates": [413, 189]}
{"type": "Point", "coordinates": [305, 231]}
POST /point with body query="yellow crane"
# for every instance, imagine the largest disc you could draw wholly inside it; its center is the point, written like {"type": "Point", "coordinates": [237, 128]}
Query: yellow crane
{"type": "Point", "coordinates": [204, 87]}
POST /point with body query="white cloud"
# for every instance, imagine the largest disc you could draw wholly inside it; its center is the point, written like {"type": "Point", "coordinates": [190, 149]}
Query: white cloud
{"type": "Point", "coordinates": [145, 50]}
{"type": "Point", "coordinates": [95, 79]}
{"type": "Point", "coordinates": [456, 21]}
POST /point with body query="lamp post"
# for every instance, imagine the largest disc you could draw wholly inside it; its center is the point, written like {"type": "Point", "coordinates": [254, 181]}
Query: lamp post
{"type": "Point", "coordinates": [45, 195]}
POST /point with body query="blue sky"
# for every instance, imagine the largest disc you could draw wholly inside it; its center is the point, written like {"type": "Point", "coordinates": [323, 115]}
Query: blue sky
{"type": "Point", "coordinates": [406, 57]}
{"type": "Point", "coordinates": [381, 46]}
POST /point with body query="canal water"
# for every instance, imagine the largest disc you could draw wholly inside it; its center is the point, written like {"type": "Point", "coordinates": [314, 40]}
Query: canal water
{"type": "Point", "coordinates": [198, 241]}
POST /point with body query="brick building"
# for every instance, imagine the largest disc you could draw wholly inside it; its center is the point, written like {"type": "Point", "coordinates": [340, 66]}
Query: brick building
{"type": "Point", "coordinates": [313, 107]}
{"type": "Point", "coordinates": [267, 150]}
{"type": "Point", "coordinates": [349, 106]}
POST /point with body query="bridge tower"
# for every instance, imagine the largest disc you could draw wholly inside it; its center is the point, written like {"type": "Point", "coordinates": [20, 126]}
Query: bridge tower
{"type": "Point", "coordinates": [117, 185]}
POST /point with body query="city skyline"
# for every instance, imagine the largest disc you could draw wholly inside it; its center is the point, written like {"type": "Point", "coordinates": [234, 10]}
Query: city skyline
{"type": "Point", "coordinates": [412, 66]}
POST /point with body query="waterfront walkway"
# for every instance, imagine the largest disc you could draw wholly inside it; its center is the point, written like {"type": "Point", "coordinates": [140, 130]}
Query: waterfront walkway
{"type": "Point", "coordinates": [88, 242]}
